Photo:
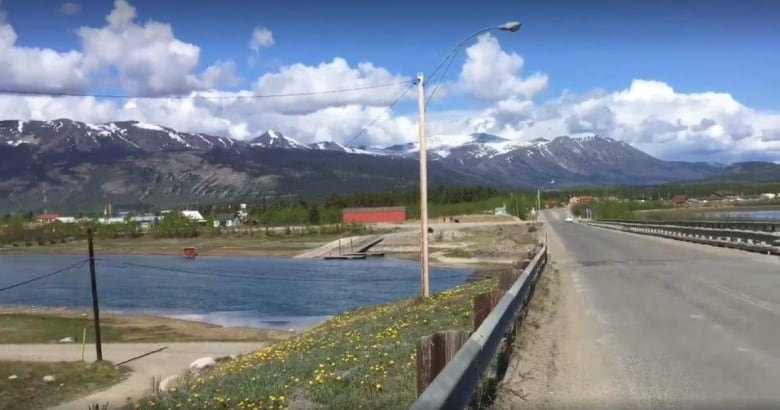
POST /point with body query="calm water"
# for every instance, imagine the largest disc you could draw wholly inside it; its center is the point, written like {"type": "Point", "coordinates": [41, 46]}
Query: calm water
{"type": "Point", "coordinates": [245, 291]}
{"type": "Point", "coordinates": [773, 214]}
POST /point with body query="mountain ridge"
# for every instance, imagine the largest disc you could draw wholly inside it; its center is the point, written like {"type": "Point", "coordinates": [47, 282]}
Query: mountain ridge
{"type": "Point", "coordinates": [81, 164]}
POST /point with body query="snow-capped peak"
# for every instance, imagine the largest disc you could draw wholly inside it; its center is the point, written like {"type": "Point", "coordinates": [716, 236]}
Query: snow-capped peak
{"type": "Point", "coordinates": [275, 139]}
{"type": "Point", "coordinates": [148, 126]}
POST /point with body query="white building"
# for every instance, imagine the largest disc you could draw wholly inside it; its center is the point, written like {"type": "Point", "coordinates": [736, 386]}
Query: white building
{"type": "Point", "coordinates": [67, 219]}
{"type": "Point", "coordinates": [193, 215]}
{"type": "Point", "coordinates": [768, 195]}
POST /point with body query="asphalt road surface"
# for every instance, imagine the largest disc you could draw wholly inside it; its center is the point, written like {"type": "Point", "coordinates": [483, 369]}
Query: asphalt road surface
{"type": "Point", "coordinates": [675, 325]}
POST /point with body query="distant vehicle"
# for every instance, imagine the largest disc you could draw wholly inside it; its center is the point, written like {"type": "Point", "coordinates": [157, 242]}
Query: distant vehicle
{"type": "Point", "coordinates": [569, 218]}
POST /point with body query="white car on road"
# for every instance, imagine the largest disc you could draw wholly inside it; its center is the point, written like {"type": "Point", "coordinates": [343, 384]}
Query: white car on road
{"type": "Point", "coordinates": [569, 218]}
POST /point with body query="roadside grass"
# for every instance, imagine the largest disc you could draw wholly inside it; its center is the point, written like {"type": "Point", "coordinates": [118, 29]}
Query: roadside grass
{"type": "Point", "coordinates": [361, 359]}
{"type": "Point", "coordinates": [73, 379]}
{"type": "Point", "coordinates": [458, 253]}
{"type": "Point", "coordinates": [50, 328]}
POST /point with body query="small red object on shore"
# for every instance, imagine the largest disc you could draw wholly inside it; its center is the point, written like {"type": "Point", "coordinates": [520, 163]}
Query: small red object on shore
{"type": "Point", "coordinates": [190, 253]}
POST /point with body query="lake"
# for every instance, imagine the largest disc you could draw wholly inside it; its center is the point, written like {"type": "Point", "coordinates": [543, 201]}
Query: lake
{"type": "Point", "coordinates": [767, 214]}
{"type": "Point", "coordinates": [263, 292]}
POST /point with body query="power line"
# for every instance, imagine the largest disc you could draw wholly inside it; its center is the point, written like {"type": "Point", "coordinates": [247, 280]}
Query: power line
{"type": "Point", "coordinates": [451, 59]}
{"type": "Point", "coordinates": [37, 278]}
{"type": "Point", "coordinates": [389, 107]}
{"type": "Point", "coordinates": [261, 278]}
{"type": "Point", "coordinates": [219, 97]}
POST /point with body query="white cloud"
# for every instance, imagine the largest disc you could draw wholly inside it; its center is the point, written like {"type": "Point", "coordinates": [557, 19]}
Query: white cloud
{"type": "Point", "coordinates": [261, 37]}
{"type": "Point", "coordinates": [491, 74]}
{"type": "Point", "coordinates": [70, 8]}
{"type": "Point", "coordinates": [37, 69]}
{"type": "Point", "coordinates": [334, 75]}
{"type": "Point", "coordinates": [147, 58]}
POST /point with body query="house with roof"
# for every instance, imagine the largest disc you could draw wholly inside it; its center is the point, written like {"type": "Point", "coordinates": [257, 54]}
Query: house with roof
{"type": "Point", "coordinates": [679, 201]}
{"type": "Point", "coordinates": [724, 196]}
{"type": "Point", "coordinates": [193, 215]}
{"type": "Point", "coordinates": [226, 220]}
{"type": "Point", "coordinates": [47, 218]}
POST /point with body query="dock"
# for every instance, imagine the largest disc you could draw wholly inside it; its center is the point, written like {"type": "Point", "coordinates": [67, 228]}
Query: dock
{"type": "Point", "coordinates": [345, 257]}
{"type": "Point", "coordinates": [358, 250]}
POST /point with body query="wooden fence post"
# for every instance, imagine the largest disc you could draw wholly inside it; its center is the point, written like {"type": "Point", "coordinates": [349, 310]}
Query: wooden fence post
{"type": "Point", "coordinates": [484, 304]}
{"type": "Point", "coordinates": [424, 363]}
{"type": "Point", "coordinates": [507, 278]}
{"type": "Point", "coordinates": [434, 352]}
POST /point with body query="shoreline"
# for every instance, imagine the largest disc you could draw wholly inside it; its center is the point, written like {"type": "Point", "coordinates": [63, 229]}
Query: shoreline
{"type": "Point", "coordinates": [149, 327]}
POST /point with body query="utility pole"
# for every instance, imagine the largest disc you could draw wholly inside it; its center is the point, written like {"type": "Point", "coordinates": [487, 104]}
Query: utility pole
{"type": "Point", "coordinates": [538, 203]}
{"type": "Point", "coordinates": [95, 309]}
{"type": "Point", "coordinates": [425, 285]}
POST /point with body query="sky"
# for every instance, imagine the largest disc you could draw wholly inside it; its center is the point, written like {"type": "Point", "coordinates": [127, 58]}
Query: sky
{"type": "Point", "coordinates": [682, 80]}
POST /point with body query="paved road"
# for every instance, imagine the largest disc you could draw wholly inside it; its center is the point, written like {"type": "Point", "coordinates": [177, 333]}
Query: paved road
{"type": "Point", "coordinates": [174, 360]}
{"type": "Point", "coordinates": [679, 325]}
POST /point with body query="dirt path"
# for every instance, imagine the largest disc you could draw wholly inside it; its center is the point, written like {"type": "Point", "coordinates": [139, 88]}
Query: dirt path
{"type": "Point", "coordinates": [173, 360]}
{"type": "Point", "coordinates": [560, 361]}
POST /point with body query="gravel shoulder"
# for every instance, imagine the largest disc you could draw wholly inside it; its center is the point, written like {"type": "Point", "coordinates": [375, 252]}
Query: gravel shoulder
{"type": "Point", "coordinates": [560, 361]}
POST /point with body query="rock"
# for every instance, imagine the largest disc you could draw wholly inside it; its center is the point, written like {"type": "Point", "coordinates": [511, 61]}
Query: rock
{"type": "Point", "coordinates": [13, 377]}
{"type": "Point", "coordinates": [223, 359]}
{"type": "Point", "coordinates": [49, 378]}
{"type": "Point", "coordinates": [168, 382]}
{"type": "Point", "coordinates": [202, 363]}
{"type": "Point", "coordinates": [66, 340]}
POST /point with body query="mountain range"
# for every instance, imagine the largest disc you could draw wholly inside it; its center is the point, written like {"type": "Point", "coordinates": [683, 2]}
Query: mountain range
{"type": "Point", "coordinates": [69, 165]}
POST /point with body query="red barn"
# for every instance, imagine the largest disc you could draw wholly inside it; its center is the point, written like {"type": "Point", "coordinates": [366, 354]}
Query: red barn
{"type": "Point", "coordinates": [374, 215]}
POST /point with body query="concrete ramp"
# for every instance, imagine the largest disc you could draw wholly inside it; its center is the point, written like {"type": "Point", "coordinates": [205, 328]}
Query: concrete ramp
{"type": "Point", "coordinates": [352, 244]}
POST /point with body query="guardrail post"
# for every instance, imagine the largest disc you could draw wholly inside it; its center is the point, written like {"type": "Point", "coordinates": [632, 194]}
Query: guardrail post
{"type": "Point", "coordinates": [507, 278]}
{"type": "Point", "coordinates": [484, 304]}
{"type": "Point", "coordinates": [434, 352]}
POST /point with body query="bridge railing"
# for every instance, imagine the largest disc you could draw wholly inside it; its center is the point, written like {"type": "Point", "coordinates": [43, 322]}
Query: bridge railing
{"type": "Point", "coordinates": [454, 387]}
{"type": "Point", "coordinates": [763, 226]}
{"type": "Point", "coordinates": [724, 234]}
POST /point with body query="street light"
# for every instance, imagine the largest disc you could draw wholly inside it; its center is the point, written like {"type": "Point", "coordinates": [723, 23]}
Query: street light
{"type": "Point", "coordinates": [511, 26]}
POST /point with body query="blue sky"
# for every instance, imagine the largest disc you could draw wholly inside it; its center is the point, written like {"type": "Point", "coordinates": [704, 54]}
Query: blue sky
{"type": "Point", "coordinates": [685, 79]}
{"type": "Point", "coordinates": [692, 45]}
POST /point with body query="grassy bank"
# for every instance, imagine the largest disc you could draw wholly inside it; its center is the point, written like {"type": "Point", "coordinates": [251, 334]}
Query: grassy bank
{"type": "Point", "coordinates": [361, 359]}
{"type": "Point", "coordinates": [72, 379]}
{"type": "Point", "coordinates": [258, 245]}
{"type": "Point", "coordinates": [20, 327]}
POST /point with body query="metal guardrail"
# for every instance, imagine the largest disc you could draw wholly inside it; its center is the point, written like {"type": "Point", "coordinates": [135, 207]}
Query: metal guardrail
{"type": "Point", "coordinates": [710, 233]}
{"type": "Point", "coordinates": [455, 385]}
{"type": "Point", "coordinates": [764, 226]}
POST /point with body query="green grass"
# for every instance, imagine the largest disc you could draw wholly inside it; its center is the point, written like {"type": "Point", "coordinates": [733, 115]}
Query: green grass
{"type": "Point", "coordinates": [360, 359]}
{"type": "Point", "coordinates": [73, 380]}
{"type": "Point", "coordinates": [458, 253]}
{"type": "Point", "coordinates": [50, 328]}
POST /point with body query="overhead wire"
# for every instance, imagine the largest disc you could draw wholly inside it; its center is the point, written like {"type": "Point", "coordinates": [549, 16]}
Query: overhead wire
{"type": "Point", "coordinates": [41, 277]}
{"type": "Point", "coordinates": [205, 96]}
{"type": "Point", "coordinates": [378, 117]}
{"type": "Point", "coordinates": [451, 59]}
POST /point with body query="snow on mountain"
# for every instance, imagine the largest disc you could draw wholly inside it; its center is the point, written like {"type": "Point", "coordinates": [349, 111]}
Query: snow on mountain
{"type": "Point", "coordinates": [275, 139]}
{"type": "Point", "coordinates": [67, 135]}
{"type": "Point", "coordinates": [334, 146]}
{"type": "Point", "coordinates": [460, 147]}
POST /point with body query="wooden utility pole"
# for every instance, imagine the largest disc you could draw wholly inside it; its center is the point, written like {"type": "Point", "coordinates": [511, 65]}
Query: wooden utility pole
{"type": "Point", "coordinates": [425, 285]}
{"type": "Point", "coordinates": [95, 309]}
